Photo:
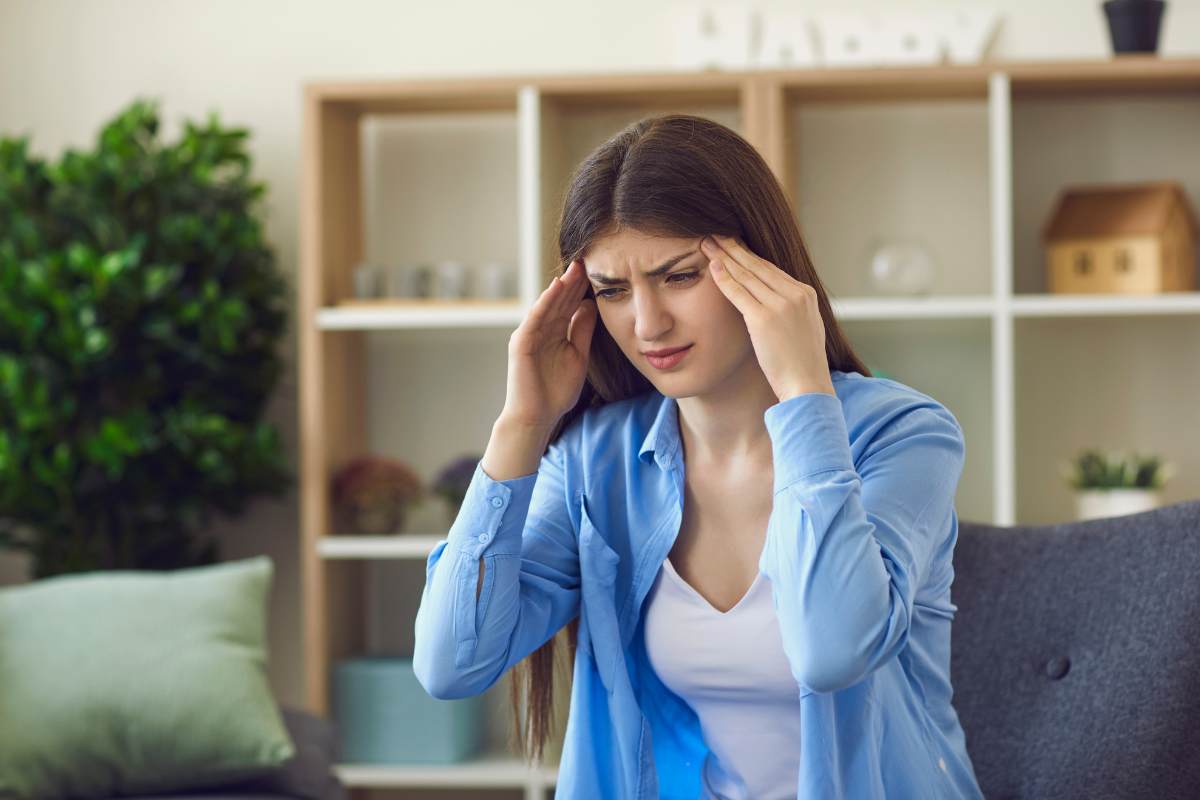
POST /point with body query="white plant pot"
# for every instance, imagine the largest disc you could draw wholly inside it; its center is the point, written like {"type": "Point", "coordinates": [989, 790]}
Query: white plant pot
{"type": "Point", "coordinates": [1097, 503]}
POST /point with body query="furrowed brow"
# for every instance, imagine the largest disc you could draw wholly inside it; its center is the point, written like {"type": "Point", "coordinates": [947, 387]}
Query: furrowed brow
{"type": "Point", "coordinates": [608, 280]}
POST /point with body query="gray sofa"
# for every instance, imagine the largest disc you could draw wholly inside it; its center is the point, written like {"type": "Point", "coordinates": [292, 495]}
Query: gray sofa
{"type": "Point", "coordinates": [1075, 663]}
{"type": "Point", "coordinates": [1076, 656]}
{"type": "Point", "coordinates": [308, 775]}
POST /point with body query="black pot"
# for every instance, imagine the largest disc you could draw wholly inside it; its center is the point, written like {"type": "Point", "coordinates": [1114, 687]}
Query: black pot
{"type": "Point", "coordinates": [1134, 24]}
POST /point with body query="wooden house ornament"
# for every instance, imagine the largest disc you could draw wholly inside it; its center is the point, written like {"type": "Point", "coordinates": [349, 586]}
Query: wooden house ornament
{"type": "Point", "coordinates": [1122, 239]}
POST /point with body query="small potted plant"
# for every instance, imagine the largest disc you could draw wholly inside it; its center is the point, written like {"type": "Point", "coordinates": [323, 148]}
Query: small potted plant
{"type": "Point", "coordinates": [372, 494]}
{"type": "Point", "coordinates": [1113, 483]}
{"type": "Point", "coordinates": [452, 482]}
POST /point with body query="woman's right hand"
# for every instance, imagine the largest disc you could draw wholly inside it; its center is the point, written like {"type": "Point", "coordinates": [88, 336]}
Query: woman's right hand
{"type": "Point", "coordinates": [548, 352]}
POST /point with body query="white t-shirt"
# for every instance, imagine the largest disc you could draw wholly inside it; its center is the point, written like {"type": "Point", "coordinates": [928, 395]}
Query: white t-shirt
{"type": "Point", "coordinates": [731, 669]}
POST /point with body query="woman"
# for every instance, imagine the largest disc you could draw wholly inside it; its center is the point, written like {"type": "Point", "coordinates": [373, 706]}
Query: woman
{"type": "Point", "coordinates": [749, 540]}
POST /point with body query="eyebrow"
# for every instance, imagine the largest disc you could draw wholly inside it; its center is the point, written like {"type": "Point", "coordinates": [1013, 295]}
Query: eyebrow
{"type": "Point", "coordinates": [654, 273]}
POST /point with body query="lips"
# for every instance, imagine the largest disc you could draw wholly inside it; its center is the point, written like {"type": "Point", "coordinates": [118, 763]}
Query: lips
{"type": "Point", "coordinates": [666, 352]}
{"type": "Point", "coordinates": [670, 361]}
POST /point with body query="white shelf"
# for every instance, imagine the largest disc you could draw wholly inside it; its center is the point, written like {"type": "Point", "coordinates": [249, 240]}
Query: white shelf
{"type": "Point", "coordinates": [382, 315]}
{"type": "Point", "coordinates": [452, 315]}
{"type": "Point", "coordinates": [400, 545]}
{"type": "Point", "coordinates": [1083, 305]}
{"type": "Point", "coordinates": [943, 307]}
{"type": "Point", "coordinates": [488, 770]}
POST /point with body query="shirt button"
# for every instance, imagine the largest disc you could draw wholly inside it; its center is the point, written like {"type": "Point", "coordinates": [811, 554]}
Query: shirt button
{"type": "Point", "coordinates": [497, 502]}
{"type": "Point", "coordinates": [485, 537]}
{"type": "Point", "coordinates": [1058, 667]}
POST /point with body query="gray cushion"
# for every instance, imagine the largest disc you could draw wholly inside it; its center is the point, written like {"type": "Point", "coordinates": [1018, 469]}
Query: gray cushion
{"type": "Point", "coordinates": [308, 775]}
{"type": "Point", "coordinates": [228, 794]}
{"type": "Point", "coordinates": [1075, 657]}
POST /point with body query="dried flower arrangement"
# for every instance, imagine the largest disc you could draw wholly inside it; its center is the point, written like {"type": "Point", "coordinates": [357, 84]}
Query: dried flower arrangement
{"type": "Point", "coordinates": [371, 494]}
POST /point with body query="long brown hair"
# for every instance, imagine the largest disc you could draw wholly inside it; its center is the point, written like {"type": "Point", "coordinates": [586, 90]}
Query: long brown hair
{"type": "Point", "coordinates": [672, 175]}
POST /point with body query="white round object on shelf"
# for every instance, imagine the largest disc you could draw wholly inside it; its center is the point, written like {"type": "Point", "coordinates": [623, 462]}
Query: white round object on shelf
{"type": "Point", "coordinates": [902, 268]}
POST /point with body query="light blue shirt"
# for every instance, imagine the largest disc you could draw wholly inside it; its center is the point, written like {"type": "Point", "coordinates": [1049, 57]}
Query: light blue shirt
{"type": "Point", "coordinates": [858, 549]}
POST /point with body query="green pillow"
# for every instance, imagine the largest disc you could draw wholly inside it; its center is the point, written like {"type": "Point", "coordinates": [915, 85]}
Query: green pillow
{"type": "Point", "coordinates": [137, 681]}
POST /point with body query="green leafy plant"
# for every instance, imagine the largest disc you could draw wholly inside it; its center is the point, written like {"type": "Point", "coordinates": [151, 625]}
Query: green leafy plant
{"type": "Point", "coordinates": [140, 311]}
{"type": "Point", "coordinates": [1115, 469]}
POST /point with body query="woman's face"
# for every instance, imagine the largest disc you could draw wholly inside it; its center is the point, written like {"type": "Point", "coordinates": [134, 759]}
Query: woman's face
{"type": "Point", "coordinates": [680, 306]}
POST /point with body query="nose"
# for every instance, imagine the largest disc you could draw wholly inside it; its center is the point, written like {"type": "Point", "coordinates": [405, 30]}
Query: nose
{"type": "Point", "coordinates": [651, 318]}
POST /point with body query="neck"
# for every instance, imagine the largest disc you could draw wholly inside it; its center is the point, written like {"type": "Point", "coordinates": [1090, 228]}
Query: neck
{"type": "Point", "coordinates": [725, 426]}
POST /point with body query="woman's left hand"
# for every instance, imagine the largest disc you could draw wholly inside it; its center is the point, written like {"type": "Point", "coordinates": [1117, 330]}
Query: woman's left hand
{"type": "Point", "coordinates": [781, 313]}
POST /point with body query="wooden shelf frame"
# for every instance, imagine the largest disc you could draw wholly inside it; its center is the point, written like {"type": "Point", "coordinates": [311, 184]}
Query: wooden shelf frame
{"type": "Point", "coordinates": [332, 327]}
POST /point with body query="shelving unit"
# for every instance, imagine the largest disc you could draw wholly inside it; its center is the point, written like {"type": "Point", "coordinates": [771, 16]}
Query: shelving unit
{"type": "Point", "coordinates": [966, 158]}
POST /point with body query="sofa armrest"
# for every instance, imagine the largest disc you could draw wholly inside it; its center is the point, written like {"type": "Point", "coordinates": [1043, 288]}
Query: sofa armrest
{"type": "Point", "coordinates": [309, 773]}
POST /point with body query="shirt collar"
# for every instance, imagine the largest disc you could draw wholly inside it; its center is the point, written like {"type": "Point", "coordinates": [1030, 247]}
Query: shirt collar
{"type": "Point", "coordinates": [662, 439]}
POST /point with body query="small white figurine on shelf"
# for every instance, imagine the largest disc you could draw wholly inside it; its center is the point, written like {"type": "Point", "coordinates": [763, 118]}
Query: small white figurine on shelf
{"type": "Point", "coordinates": [787, 42]}
{"type": "Point", "coordinates": [734, 36]}
{"type": "Point", "coordinates": [366, 280]}
{"type": "Point", "coordinates": [713, 35]}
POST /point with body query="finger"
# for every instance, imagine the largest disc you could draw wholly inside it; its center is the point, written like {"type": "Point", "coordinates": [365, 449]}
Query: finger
{"type": "Point", "coordinates": [759, 290]}
{"type": "Point", "coordinates": [764, 270]}
{"type": "Point", "coordinates": [548, 304]}
{"type": "Point", "coordinates": [575, 276]}
{"type": "Point", "coordinates": [577, 285]}
{"type": "Point", "coordinates": [583, 323]}
{"type": "Point", "coordinates": [567, 292]}
{"type": "Point", "coordinates": [742, 300]}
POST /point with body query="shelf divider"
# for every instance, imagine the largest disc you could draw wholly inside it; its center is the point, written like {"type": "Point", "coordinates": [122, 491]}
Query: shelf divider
{"type": "Point", "coordinates": [1000, 163]}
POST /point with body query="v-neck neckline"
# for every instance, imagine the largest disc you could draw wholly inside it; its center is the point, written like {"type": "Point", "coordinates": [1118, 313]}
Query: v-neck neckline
{"type": "Point", "coordinates": [667, 565]}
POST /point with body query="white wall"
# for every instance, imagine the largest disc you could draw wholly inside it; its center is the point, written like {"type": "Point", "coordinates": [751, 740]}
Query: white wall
{"type": "Point", "coordinates": [65, 67]}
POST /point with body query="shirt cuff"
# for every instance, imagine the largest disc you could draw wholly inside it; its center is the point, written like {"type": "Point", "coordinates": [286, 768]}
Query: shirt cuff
{"type": "Point", "coordinates": [492, 516]}
{"type": "Point", "coordinates": [808, 435]}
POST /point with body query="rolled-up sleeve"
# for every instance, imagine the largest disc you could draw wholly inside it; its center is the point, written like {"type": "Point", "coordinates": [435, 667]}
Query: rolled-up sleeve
{"type": "Point", "coordinates": [522, 530]}
{"type": "Point", "coordinates": [848, 546]}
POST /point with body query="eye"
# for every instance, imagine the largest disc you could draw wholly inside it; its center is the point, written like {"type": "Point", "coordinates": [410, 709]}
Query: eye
{"type": "Point", "coordinates": [687, 277]}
